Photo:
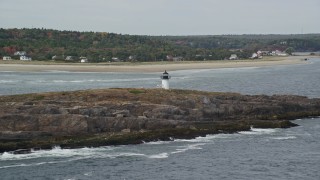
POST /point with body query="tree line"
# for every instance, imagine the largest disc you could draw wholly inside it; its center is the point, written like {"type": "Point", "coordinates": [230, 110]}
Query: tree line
{"type": "Point", "coordinates": [43, 44]}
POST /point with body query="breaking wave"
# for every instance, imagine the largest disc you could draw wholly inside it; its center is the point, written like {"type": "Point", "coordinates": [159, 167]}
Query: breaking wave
{"type": "Point", "coordinates": [258, 131]}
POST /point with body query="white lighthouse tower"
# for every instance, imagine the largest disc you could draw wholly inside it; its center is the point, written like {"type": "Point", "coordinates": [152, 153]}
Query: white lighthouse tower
{"type": "Point", "coordinates": [165, 80]}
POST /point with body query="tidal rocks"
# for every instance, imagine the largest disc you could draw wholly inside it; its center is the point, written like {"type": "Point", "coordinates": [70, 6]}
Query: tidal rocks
{"type": "Point", "coordinates": [42, 120]}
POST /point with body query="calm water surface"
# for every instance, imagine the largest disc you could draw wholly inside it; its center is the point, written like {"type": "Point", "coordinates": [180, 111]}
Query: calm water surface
{"type": "Point", "coordinates": [291, 79]}
{"type": "Point", "coordinates": [259, 154]}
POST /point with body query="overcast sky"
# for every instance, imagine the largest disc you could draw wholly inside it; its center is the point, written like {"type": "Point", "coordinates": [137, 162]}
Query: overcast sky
{"type": "Point", "coordinates": [165, 17]}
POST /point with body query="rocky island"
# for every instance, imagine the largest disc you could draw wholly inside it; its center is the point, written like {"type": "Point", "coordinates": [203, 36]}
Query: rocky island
{"type": "Point", "coordinates": [92, 118]}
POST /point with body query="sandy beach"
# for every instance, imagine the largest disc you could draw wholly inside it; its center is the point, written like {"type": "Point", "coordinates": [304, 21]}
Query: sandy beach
{"type": "Point", "coordinates": [38, 66]}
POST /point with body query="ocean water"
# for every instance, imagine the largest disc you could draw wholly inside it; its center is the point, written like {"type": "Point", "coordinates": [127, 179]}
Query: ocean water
{"type": "Point", "coordinates": [300, 79]}
{"type": "Point", "coordinates": [257, 154]}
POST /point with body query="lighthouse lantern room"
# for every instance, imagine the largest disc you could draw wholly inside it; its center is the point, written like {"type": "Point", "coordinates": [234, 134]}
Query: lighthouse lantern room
{"type": "Point", "coordinates": [165, 80]}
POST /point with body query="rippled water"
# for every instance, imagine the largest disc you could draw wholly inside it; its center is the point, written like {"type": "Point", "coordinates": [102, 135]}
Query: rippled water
{"type": "Point", "coordinates": [287, 79]}
{"type": "Point", "coordinates": [258, 154]}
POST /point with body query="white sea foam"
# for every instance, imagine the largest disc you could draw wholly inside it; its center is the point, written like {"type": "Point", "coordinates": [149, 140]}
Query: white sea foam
{"type": "Point", "coordinates": [285, 137]}
{"type": "Point", "coordinates": [13, 166]}
{"type": "Point", "coordinates": [74, 154]}
{"type": "Point", "coordinates": [73, 178]}
{"type": "Point", "coordinates": [249, 132]}
{"type": "Point", "coordinates": [55, 152]}
{"type": "Point", "coordinates": [188, 147]}
{"type": "Point", "coordinates": [263, 130]}
{"type": "Point", "coordinates": [7, 81]}
{"type": "Point", "coordinates": [195, 140]}
{"type": "Point", "coordinates": [5, 155]}
{"type": "Point", "coordinates": [258, 131]}
{"type": "Point", "coordinates": [67, 155]}
{"type": "Point", "coordinates": [68, 159]}
{"type": "Point", "coordinates": [159, 156]}
{"type": "Point", "coordinates": [157, 142]}
{"type": "Point", "coordinates": [207, 138]}
{"type": "Point", "coordinates": [122, 154]}
{"type": "Point", "coordinates": [223, 136]}
{"type": "Point", "coordinates": [39, 164]}
{"type": "Point", "coordinates": [88, 173]}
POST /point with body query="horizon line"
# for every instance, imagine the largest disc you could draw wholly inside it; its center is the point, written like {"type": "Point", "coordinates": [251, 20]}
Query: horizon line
{"type": "Point", "coordinates": [227, 34]}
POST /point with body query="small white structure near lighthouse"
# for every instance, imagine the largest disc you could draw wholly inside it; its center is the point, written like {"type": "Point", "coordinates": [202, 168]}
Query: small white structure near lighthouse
{"type": "Point", "coordinates": [165, 80]}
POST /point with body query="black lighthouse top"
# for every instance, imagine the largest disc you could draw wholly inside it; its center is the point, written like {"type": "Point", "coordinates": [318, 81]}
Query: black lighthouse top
{"type": "Point", "coordinates": [165, 75]}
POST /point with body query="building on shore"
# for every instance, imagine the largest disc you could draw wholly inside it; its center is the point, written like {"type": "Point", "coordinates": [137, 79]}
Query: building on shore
{"type": "Point", "coordinates": [233, 57]}
{"type": "Point", "coordinates": [165, 80]}
{"type": "Point", "coordinates": [83, 59]}
{"type": "Point", "coordinates": [20, 53]}
{"type": "Point", "coordinates": [278, 53]}
{"type": "Point", "coordinates": [6, 58]}
{"type": "Point", "coordinates": [25, 58]}
{"type": "Point", "coordinates": [69, 58]}
{"type": "Point", "coordinates": [257, 55]}
{"type": "Point", "coordinates": [174, 58]}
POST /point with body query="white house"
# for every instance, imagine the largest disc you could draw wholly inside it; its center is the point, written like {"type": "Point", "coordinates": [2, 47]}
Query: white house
{"type": "Point", "coordinates": [278, 53]}
{"type": "Point", "coordinates": [257, 55]}
{"type": "Point", "coordinates": [115, 59]}
{"type": "Point", "coordinates": [83, 59]}
{"type": "Point", "coordinates": [131, 58]}
{"type": "Point", "coordinates": [25, 58]}
{"type": "Point", "coordinates": [254, 56]}
{"type": "Point", "coordinates": [69, 58]}
{"type": "Point", "coordinates": [20, 53]}
{"type": "Point", "coordinates": [264, 53]}
{"type": "Point", "coordinates": [177, 58]}
{"type": "Point", "coordinates": [233, 57]}
{"type": "Point", "coordinates": [6, 58]}
{"type": "Point", "coordinates": [282, 54]}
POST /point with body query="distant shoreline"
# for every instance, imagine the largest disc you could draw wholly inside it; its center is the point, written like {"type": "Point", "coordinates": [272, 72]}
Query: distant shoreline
{"type": "Point", "coordinates": [39, 66]}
